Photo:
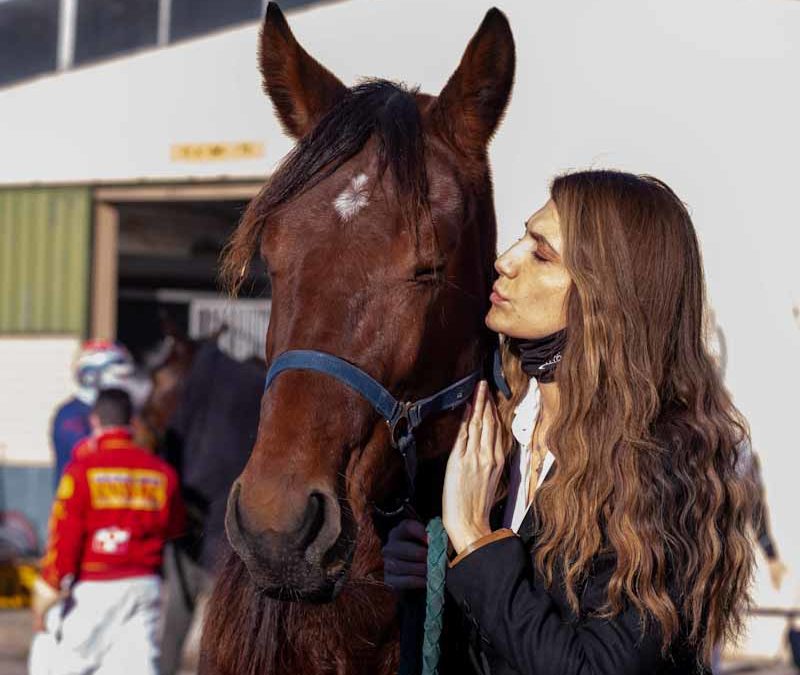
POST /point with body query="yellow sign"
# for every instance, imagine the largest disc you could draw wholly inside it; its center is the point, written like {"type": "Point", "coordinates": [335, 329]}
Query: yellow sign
{"type": "Point", "coordinates": [216, 152]}
{"type": "Point", "coordinates": [132, 489]}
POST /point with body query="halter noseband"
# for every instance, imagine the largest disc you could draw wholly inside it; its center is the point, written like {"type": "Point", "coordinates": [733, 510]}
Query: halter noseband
{"type": "Point", "coordinates": [402, 417]}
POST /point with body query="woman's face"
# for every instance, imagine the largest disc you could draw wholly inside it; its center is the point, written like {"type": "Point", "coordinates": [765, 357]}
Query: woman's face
{"type": "Point", "coordinates": [529, 297]}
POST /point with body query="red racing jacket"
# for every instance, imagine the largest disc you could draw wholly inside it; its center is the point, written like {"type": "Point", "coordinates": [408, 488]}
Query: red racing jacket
{"type": "Point", "coordinates": [116, 506]}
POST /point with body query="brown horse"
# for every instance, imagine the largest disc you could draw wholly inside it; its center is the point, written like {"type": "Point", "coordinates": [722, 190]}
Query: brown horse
{"type": "Point", "coordinates": [378, 231]}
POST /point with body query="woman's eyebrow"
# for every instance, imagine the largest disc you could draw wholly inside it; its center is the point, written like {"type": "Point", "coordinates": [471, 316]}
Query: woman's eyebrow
{"type": "Point", "coordinates": [541, 239]}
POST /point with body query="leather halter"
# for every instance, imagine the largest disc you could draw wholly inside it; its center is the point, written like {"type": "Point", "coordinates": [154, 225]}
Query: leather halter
{"type": "Point", "coordinates": [403, 417]}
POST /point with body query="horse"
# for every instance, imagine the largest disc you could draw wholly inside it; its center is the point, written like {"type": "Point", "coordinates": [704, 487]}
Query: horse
{"type": "Point", "coordinates": [202, 417]}
{"type": "Point", "coordinates": [379, 236]}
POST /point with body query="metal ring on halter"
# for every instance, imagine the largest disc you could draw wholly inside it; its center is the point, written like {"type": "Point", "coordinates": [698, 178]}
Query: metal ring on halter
{"type": "Point", "coordinates": [397, 430]}
{"type": "Point", "coordinates": [404, 507]}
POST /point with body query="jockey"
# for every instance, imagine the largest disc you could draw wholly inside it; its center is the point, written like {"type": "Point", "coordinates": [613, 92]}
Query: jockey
{"type": "Point", "coordinates": [99, 363]}
{"type": "Point", "coordinates": [115, 508]}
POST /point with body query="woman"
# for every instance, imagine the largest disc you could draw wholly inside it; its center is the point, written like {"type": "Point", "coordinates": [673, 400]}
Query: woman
{"type": "Point", "coordinates": [623, 546]}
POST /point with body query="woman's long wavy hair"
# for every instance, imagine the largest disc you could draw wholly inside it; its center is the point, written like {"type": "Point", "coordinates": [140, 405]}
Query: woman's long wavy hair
{"type": "Point", "coordinates": [646, 436]}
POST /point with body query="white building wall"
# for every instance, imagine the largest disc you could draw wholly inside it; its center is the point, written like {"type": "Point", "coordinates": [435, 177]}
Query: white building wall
{"type": "Point", "coordinates": [37, 378]}
{"type": "Point", "coordinates": [701, 93]}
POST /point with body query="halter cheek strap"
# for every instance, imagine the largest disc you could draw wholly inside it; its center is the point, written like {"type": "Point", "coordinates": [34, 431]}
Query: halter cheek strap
{"type": "Point", "coordinates": [402, 417]}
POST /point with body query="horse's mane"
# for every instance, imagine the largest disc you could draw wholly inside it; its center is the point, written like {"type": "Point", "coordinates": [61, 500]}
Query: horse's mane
{"type": "Point", "coordinates": [376, 108]}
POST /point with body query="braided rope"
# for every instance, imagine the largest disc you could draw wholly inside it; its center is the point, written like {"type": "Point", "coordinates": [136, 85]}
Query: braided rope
{"type": "Point", "coordinates": [434, 606]}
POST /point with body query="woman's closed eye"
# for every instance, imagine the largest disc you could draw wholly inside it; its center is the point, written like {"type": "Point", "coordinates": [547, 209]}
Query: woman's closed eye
{"type": "Point", "coordinates": [536, 253]}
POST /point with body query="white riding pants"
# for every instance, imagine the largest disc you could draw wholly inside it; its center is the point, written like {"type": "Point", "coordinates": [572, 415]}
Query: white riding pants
{"type": "Point", "coordinates": [111, 629]}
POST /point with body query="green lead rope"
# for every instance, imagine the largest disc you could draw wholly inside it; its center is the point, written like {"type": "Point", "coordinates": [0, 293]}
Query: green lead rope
{"type": "Point", "coordinates": [434, 604]}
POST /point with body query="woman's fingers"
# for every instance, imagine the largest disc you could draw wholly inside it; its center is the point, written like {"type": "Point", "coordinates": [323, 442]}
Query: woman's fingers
{"type": "Point", "coordinates": [408, 541]}
{"type": "Point", "coordinates": [394, 567]}
{"type": "Point", "coordinates": [478, 402]}
{"type": "Point", "coordinates": [488, 416]}
{"type": "Point", "coordinates": [471, 476]}
{"type": "Point", "coordinates": [497, 449]}
{"type": "Point", "coordinates": [405, 583]}
{"type": "Point", "coordinates": [405, 550]}
{"type": "Point", "coordinates": [408, 528]}
{"type": "Point", "coordinates": [460, 444]}
{"type": "Point", "coordinates": [405, 556]}
{"type": "Point", "coordinates": [483, 429]}
{"type": "Point", "coordinates": [489, 431]}
{"type": "Point", "coordinates": [476, 419]}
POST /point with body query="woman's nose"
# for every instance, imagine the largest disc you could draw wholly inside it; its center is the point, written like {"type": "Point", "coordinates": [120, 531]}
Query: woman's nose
{"type": "Point", "coordinates": [504, 265]}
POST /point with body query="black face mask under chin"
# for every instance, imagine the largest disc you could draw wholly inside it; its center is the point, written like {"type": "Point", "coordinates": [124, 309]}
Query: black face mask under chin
{"type": "Point", "coordinates": [540, 357]}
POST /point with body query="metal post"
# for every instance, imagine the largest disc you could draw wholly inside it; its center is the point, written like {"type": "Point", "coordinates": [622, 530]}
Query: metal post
{"type": "Point", "coordinates": [164, 16]}
{"type": "Point", "coordinates": [67, 27]}
{"type": "Point", "coordinates": [105, 271]}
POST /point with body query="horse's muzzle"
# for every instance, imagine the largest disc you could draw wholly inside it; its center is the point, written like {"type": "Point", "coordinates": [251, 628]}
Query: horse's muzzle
{"type": "Point", "coordinates": [307, 564]}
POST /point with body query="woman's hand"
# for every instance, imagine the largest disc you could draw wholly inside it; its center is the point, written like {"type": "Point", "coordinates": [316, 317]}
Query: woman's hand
{"type": "Point", "coordinates": [473, 472]}
{"type": "Point", "coordinates": [405, 557]}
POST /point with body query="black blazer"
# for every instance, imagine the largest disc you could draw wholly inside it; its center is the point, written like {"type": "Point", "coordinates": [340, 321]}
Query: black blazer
{"type": "Point", "coordinates": [519, 628]}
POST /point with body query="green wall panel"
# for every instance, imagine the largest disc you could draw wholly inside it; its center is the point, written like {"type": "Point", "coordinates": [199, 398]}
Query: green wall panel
{"type": "Point", "coordinates": [45, 255]}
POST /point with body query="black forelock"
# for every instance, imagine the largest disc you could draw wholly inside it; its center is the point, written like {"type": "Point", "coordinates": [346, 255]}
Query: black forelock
{"type": "Point", "coordinates": [376, 109]}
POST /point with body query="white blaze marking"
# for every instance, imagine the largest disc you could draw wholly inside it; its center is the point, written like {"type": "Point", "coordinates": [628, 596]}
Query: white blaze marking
{"type": "Point", "coordinates": [354, 198]}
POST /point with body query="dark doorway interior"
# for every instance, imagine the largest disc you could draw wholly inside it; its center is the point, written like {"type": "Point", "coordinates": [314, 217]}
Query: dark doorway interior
{"type": "Point", "coordinates": [168, 257]}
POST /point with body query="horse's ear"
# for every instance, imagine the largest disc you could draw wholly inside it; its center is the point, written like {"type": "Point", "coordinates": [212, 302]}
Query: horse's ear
{"type": "Point", "coordinates": [170, 327]}
{"type": "Point", "coordinates": [473, 101]}
{"type": "Point", "coordinates": [301, 90]}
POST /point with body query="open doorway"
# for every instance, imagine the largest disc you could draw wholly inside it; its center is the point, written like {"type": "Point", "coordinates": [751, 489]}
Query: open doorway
{"type": "Point", "coordinates": [161, 251]}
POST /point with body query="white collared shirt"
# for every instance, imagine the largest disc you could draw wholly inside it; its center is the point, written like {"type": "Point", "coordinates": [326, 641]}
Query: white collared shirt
{"type": "Point", "coordinates": [522, 428]}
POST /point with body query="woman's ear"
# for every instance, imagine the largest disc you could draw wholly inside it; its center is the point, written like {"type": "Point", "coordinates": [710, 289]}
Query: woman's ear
{"type": "Point", "coordinates": [301, 89]}
{"type": "Point", "coordinates": [473, 101]}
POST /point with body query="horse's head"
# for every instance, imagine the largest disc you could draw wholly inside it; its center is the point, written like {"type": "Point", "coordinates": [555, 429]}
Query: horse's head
{"type": "Point", "coordinates": [168, 364]}
{"type": "Point", "coordinates": [378, 232]}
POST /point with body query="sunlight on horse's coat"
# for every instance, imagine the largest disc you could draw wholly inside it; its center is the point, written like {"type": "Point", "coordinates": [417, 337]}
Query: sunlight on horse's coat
{"type": "Point", "coordinates": [354, 198]}
{"type": "Point", "coordinates": [338, 611]}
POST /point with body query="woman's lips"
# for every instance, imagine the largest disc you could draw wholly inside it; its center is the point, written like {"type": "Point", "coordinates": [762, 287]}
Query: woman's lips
{"type": "Point", "coordinates": [496, 298]}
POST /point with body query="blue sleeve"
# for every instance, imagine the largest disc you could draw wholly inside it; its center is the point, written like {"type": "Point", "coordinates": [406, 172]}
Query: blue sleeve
{"type": "Point", "coordinates": [69, 427]}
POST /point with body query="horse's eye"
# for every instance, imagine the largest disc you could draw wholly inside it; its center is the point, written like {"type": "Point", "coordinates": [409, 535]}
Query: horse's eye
{"type": "Point", "coordinates": [428, 273]}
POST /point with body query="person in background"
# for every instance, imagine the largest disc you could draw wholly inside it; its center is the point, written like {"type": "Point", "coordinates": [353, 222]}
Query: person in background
{"type": "Point", "coordinates": [763, 531]}
{"type": "Point", "coordinates": [116, 507]}
{"type": "Point", "coordinates": [208, 441]}
{"type": "Point", "coordinates": [716, 345]}
{"type": "Point", "coordinates": [71, 420]}
{"type": "Point", "coordinates": [718, 351]}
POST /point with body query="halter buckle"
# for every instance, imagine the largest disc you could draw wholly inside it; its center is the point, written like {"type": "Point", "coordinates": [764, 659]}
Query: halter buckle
{"type": "Point", "coordinates": [400, 425]}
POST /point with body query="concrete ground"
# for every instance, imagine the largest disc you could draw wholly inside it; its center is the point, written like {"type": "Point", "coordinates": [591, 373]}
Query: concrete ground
{"type": "Point", "coordinates": [15, 636]}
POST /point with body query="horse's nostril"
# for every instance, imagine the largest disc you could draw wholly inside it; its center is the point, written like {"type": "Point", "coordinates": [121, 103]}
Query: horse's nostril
{"type": "Point", "coordinates": [277, 556]}
{"type": "Point", "coordinates": [233, 526]}
{"type": "Point", "coordinates": [313, 521]}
